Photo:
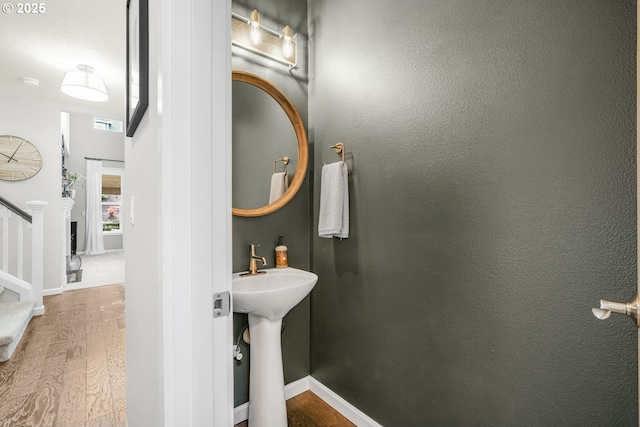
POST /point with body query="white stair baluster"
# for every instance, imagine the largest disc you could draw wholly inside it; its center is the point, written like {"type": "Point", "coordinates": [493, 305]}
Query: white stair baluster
{"type": "Point", "coordinates": [21, 225]}
{"type": "Point", "coordinates": [5, 239]}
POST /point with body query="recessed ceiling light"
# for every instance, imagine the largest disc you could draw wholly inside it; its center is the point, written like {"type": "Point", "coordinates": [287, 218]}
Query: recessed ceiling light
{"type": "Point", "coordinates": [30, 81]}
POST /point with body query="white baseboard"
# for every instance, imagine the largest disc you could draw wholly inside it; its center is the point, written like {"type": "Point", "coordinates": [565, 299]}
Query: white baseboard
{"type": "Point", "coordinates": [349, 411]}
{"type": "Point", "coordinates": [106, 250]}
{"type": "Point", "coordinates": [295, 388]}
{"type": "Point", "coordinates": [37, 311]}
{"type": "Point", "coordinates": [52, 291]}
{"type": "Point", "coordinates": [241, 413]}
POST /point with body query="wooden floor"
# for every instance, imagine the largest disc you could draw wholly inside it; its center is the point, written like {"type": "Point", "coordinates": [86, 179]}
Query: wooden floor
{"type": "Point", "coordinates": [69, 368]}
{"type": "Point", "coordinates": [308, 410]}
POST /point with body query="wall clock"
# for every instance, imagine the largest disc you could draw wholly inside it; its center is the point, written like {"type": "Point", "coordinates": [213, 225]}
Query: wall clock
{"type": "Point", "coordinates": [19, 159]}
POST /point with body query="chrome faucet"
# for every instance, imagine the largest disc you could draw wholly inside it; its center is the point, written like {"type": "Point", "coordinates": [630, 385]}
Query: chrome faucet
{"type": "Point", "coordinates": [253, 263]}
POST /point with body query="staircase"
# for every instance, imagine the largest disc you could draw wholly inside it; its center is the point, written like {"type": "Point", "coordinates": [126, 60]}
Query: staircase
{"type": "Point", "coordinates": [20, 299]}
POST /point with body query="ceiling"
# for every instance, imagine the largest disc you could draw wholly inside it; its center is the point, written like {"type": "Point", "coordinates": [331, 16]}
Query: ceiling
{"type": "Point", "coordinates": [69, 32]}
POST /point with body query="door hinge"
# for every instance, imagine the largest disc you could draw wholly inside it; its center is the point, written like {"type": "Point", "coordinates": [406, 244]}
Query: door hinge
{"type": "Point", "coordinates": [221, 304]}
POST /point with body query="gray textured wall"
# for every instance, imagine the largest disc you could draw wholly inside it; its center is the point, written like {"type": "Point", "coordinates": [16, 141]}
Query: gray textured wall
{"type": "Point", "coordinates": [292, 221]}
{"type": "Point", "coordinates": [492, 151]}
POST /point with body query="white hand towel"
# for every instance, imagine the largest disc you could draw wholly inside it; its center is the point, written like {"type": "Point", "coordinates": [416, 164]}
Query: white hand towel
{"type": "Point", "coordinates": [279, 184]}
{"type": "Point", "coordinates": [334, 201]}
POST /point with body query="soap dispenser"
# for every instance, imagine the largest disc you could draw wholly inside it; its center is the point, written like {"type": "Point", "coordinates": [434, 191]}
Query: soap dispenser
{"type": "Point", "coordinates": [282, 260]}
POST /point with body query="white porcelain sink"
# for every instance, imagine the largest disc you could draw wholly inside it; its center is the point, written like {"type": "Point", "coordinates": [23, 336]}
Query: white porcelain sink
{"type": "Point", "coordinates": [273, 294]}
{"type": "Point", "coordinates": [267, 298]}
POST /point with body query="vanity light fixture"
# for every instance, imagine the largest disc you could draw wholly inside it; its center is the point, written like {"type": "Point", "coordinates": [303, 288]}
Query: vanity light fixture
{"type": "Point", "coordinates": [83, 84]}
{"type": "Point", "coordinates": [251, 35]}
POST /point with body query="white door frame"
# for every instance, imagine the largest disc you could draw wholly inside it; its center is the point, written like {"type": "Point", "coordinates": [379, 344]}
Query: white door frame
{"type": "Point", "coordinates": [195, 119]}
{"type": "Point", "coordinates": [220, 265]}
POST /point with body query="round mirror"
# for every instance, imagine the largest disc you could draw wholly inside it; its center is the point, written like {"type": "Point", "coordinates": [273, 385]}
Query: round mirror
{"type": "Point", "coordinates": [269, 144]}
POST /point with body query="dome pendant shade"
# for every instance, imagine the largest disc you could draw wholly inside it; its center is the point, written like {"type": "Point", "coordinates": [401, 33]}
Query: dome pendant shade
{"type": "Point", "coordinates": [83, 84]}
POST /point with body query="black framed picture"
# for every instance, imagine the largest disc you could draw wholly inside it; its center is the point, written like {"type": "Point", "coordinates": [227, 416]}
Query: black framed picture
{"type": "Point", "coordinates": [137, 62]}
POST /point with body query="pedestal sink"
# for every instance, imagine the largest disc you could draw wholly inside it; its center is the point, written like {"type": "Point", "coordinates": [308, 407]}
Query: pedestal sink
{"type": "Point", "coordinates": [267, 298]}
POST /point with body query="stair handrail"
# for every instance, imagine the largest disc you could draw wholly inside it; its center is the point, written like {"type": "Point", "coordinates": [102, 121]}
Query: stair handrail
{"type": "Point", "coordinates": [13, 208]}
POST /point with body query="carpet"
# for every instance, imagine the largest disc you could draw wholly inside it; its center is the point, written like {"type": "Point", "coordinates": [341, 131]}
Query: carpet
{"type": "Point", "coordinates": [14, 317]}
{"type": "Point", "coordinates": [100, 270]}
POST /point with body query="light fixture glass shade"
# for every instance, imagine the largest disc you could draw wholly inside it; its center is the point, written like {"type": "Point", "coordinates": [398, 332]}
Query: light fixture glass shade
{"type": "Point", "coordinates": [256, 36]}
{"type": "Point", "coordinates": [83, 84]}
{"type": "Point", "coordinates": [287, 43]}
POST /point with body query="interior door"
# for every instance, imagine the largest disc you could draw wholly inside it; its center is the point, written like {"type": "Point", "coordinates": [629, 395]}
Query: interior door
{"type": "Point", "coordinates": [196, 120]}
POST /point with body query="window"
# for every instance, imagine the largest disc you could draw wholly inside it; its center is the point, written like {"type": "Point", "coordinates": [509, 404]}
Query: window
{"type": "Point", "coordinates": [107, 124]}
{"type": "Point", "coordinates": [111, 201]}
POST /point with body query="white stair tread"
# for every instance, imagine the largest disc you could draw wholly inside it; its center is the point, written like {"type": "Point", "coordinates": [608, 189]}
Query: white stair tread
{"type": "Point", "coordinates": [13, 318]}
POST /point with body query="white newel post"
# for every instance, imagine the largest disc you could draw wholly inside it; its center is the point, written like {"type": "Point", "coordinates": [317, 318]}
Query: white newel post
{"type": "Point", "coordinates": [37, 253]}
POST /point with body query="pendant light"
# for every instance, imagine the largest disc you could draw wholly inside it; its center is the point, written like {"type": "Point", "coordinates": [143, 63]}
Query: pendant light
{"type": "Point", "coordinates": [83, 84]}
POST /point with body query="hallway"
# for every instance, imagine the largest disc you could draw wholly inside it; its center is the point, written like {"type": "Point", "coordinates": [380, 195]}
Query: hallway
{"type": "Point", "coordinates": [69, 368]}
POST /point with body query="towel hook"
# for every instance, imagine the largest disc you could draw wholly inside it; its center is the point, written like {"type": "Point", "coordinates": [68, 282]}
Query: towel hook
{"type": "Point", "coordinates": [284, 160]}
{"type": "Point", "coordinates": [339, 149]}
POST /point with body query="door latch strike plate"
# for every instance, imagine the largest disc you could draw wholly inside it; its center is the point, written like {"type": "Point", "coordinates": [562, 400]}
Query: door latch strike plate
{"type": "Point", "coordinates": [221, 304]}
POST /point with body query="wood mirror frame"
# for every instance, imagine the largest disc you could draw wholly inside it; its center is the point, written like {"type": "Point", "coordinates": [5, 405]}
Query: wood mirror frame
{"type": "Point", "coordinates": [301, 136]}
